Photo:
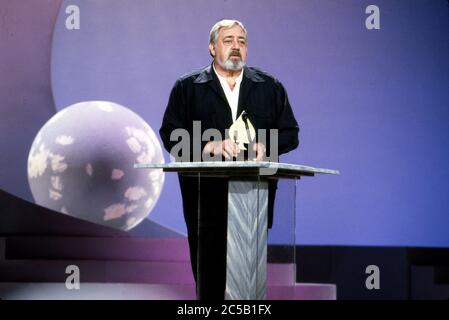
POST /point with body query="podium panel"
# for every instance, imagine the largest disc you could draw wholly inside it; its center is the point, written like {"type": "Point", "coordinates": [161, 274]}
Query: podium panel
{"type": "Point", "coordinates": [246, 255]}
{"type": "Point", "coordinates": [281, 241]}
{"type": "Point", "coordinates": [241, 218]}
{"type": "Point", "coordinates": [238, 218]}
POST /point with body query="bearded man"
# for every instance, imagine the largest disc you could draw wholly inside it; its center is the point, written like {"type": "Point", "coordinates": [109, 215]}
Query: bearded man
{"type": "Point", "coordinates": [216, 96]}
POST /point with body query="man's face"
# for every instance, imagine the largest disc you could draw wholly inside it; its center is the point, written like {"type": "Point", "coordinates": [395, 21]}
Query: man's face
{"type": "Point", "coordinates": [230, 50]}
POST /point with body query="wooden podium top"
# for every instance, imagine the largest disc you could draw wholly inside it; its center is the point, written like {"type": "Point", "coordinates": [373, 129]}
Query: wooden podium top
{"type": "Point", "coordinates": [239, 168]}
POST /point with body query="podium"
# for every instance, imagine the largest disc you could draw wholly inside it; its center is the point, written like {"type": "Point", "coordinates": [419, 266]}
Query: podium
{"type": "Point", "coordinates": [247, 215]}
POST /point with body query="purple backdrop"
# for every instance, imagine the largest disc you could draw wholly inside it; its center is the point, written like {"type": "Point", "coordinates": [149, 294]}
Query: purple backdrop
{"type": "Point", "coordinates": [372, 103]}
{"type": "Point", "coordinates": [26, 101]}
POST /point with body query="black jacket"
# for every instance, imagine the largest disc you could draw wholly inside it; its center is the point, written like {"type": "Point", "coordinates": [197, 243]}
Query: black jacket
{"type": "Point", "coordinates": [199, 96]}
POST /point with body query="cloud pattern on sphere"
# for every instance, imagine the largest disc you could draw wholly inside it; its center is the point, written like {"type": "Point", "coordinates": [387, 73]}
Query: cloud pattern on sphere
{"type": "Point", "coordinates": [81, 163]}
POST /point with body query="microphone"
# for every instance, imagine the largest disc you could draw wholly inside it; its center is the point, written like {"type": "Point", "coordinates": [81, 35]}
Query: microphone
{"type": "Point", "coordinates": [245, 119]}
{"type": "Point", "coordinates": [248, 135]}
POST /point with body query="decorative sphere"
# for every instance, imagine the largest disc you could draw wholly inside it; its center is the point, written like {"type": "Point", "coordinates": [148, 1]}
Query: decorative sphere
{"type": "Point", "coordinates": [81, 163]}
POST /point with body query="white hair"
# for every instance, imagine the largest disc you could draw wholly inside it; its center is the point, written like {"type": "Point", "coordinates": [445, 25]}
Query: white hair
{"type": "Point", "coordinates": [225, 23]}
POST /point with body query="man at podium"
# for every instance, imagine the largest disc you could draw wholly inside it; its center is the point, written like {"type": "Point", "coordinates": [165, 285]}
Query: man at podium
{"type": "Point", "coordinates": [217, 97]}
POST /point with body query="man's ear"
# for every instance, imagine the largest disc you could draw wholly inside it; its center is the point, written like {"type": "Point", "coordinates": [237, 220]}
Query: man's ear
{"type": "Point", "coordinates": [212, 50]}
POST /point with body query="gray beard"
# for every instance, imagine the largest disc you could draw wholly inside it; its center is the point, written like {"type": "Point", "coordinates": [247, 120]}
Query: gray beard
{"type": "Point", "coordinates": [232, 66]}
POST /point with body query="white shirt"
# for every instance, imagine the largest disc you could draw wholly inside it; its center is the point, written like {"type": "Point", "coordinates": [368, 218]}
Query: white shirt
{"type": "Point", "coordinates": [231, 95]}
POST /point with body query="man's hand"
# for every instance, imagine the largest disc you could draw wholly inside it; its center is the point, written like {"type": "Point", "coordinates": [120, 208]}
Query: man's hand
{"type": "Point", "coordinates": [260, 151]}
{"type": "Point", "coordinates": [227, 148]}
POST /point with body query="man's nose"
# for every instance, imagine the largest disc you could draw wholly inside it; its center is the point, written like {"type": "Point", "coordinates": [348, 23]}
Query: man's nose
{"type": "Point", "coordinates": [236, 45]}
